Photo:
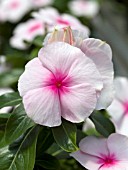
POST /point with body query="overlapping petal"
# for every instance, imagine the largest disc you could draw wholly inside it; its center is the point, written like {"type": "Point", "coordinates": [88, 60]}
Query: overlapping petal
{"type": "Point", "coordinates": [34, 77]}
{"type": "Point", "coordinates": [91, 145]}
{"type": "Point", "coordinates": [86, 160]}
{"type": "Point", "coordinates": [118, 144]}
{"type": "Point", "coordinates": [78, 103]}
{"type": "Point", "coordinates": [100, 53]}
{"type": "Point", "coordinates": [43, 106]}
{"type": "Point", "coordinates": [72, 63]}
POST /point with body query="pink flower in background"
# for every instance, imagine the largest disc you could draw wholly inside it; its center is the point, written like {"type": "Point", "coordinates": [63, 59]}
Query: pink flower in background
{"type": "Point", "coordinates": [13, 10]}
{"type": "Point", "coordinates": [118, 110]}
{"type": "Point", "coordinates": [52, 18]}
{"type": "Point", "coordinates": [41, 3]}
{"type": "Point", "coordinates": [87, 8]}
{"type": "Point", "coordinates": [103, 154]}
{"type": "Point", "coordinates": [3, 91]}
{"type": "Point", "coordinates": [98, 51]}
{"type": "Point", "coordinates": [61, 82]}
{"type": "Point", "coordinates": [26, 31]}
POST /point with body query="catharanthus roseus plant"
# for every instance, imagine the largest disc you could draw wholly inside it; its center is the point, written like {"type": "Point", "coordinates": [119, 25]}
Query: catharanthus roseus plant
{"type": "Point", "coordinates": [103, 154]}
{"type": "Point", "coordinates": [66, 81]}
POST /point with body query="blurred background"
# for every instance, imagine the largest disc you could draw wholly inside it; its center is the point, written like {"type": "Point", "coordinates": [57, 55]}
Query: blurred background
{"type": "Point", "coordinates": [106, 19]}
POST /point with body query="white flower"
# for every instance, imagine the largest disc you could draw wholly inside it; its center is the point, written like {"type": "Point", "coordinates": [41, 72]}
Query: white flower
{"type": "Point", "coordinates": [118, 110]}
{"type": "Point", "coordinates": [52, 18]}
{"type": "Point", "coordinates": [26, 31]}
{"type": "Point", "coordinates": [87, 8]}
{"type": "Point", "coordinates": [103, 154]}
{"type": "Point", "coordinates": [13, 10]}
{"type": "Point", "coordinates": [40, 3]}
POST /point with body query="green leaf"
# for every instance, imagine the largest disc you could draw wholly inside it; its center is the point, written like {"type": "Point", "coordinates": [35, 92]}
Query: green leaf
{"type": "Point", "coordinates": [22, 156]}
{"type": "Point", "coordinates": [10, 99]}
{"type": "Point", "coordinates": [103, 125]}
{"type": "Point", "coordinates": [10, 77]}
{"type": "Point", "coordinates": [65, 136]}
{"type": "Point", "coordinates": [16, 125]}
{"type": "Point", "coordinates": [45, 140]}
{"type": "Point", "coordinates": [48, 162]}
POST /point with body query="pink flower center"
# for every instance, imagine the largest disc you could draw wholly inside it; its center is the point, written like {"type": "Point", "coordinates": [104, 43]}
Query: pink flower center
{"type": "Point", "coordinates": [34, 28]}
{"type": "Point", "coordinates": [63, 22]}
{"type": "Point", "coordinates": [58, 83]}
{"type": "Point", "coordinates": [125, 106]}
{"type": "Point", "coordinates": [107, 160]}
{"type": "Point", "coordinates": [14, 5]}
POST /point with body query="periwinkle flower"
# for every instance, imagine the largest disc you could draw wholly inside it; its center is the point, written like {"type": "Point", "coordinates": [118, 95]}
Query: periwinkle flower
{"type": "Point", "coordinates": [103, 154]}
{"type": "Point", "coordinates": [64, 81]}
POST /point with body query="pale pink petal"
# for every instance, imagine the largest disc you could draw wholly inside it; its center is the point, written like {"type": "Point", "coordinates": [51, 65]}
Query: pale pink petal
{"type": "Point", "coordinates": [123, 127]}
{"type": "Point", "coordinates": [117, 166]}
{"type": "Point", "coordinates": [78, 102]}
{"type": "Point", "coordinates": [35, 76]}
{"type": "Point", "coordinates": [17, 42]}
{"type": "Point", "coordinates": [75, 23]}
{"type": "Point", "coordinates": [40, 3]}
{"type": "Point", "coordinates": [26, 31]}
{"type": "Point", "coordinates": [101, 56]}
{"type": "Point", "coordinates": [84, 8]}
{"type": "Point", "coordinates": [88, 124]}
{"type": "Point", "coordinates": [94, 146]}
{"type": "Point", "coordinates": [43, 107]}
{"type": "Point", "coordinates": [118, 144]}
{"type": "Point", "coordinates": [120, 120]}
{"type": "Point", "coordinates": [72, 62]}
{"type": "Point", "coordinates": [121, 87]}
{"type": "Point", "coordinates": [97, 44]}
{"type": "Point", "coordinates": [47, 15]}
{"type": "Point", "coordinates": [79, 36]}
{"type": "Point", "coordinates": [88, 161]}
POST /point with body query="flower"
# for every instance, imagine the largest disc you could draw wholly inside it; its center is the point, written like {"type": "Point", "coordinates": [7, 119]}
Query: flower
{"type": "Point", "coordinates": [65, 82]}
{"type": "Point", "coordinates": [13, 10]}
{"type": "Point", "coordinates": [41, 3]}
{"type": "Point", "coordinates": [26, 31]}
{"type": "Point", "coordinates": [95, 49]}
{"type": "Point", "coordinates": [3, 91]}
{"type": "Point", "coordinates": [52, 18]}
{"type": "Point", "coordinates": [85, 8]}
{"type": "Point", "coordinates": [118, 110]}
{"type": "Point", "coordinates": [103, 154]}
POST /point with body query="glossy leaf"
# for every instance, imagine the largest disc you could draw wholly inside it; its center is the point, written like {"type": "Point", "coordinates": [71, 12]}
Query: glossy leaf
{"type": "Point", "coordinates": [65, 136]}
{"type": "Point", "coordinates": [21, 157]}
{"type": "Point", "coordinates": [103, 124]}
{"type": "Point", "coordinates": [10, 77]}
{"type": "Point", "coordinates": [48, 162]}
{"type": "Point", "coordinates": [10, 99]}
{"type": "Point", "coordinates": [45, 140]}
{"type": "Point", "coordinates": [16, 125]}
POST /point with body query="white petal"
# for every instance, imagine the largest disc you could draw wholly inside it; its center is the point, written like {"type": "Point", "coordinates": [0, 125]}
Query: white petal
{"type": "Point", "coordinates": [101, 53]}
{"type": "Point", "coordinates": [88, 161]}
{"type": "Point", "coordinates": [116, 166]}
{"type": "Point", "coordinates": [35, 76]}
{"type": "Point", "coordinates": [72, 62]}
{"type": "Point", "coordinates": [94, 146]}
{"type": "Point", "coordinates": [43, 107]}
{"type": "Point", "coordinates": [120, 120]}
{"type": "Point", "coordinates": [88, 124]}
{"type": "Point", "coordinates": [121, 87]}
{"type": "Point", "coordinates": [78, 102]}
{"type": "Point", "coordinates": [118, 145]}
